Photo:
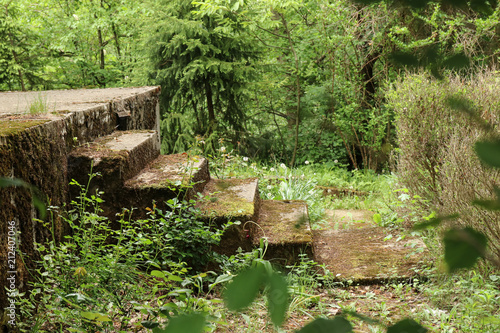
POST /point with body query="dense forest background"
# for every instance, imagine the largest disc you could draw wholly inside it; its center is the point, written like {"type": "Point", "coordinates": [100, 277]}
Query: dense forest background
{"type": "Point", "coordinates": [290, 80]}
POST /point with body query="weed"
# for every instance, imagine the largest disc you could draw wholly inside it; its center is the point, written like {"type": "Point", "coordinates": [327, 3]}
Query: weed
{"type": "Point", "coordinates": [39, 105]}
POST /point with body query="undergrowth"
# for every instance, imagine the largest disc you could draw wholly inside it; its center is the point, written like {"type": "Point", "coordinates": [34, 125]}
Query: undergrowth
{"type": "Point", "coordinates": [141, 275]}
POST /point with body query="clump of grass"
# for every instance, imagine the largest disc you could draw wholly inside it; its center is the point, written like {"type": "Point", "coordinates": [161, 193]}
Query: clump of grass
{"type": "Point", "coordinates": [39, 105]}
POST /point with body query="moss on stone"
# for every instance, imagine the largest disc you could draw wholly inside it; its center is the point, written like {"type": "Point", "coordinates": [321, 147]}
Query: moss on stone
{"type": "Point", "coordinates": [284, 222]}
{"type": "Point", "coordinates": [11, 127]}
{"type": "Point", "coordinates": [363, 254]}
{"type": "Point", "coordinates": [229, 198]}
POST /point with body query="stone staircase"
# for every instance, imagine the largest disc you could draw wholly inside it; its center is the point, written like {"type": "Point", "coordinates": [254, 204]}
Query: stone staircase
{"type": "Point", "coordinates": [132, 173]}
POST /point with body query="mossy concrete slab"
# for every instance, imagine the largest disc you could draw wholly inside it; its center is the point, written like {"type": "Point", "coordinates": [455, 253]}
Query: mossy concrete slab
{"type": "Point", "coordinates": [235, 200]}
{"type": "Point", "coordinates": [10, 127]}
{"type": "Point", "coordinates": [285, 225]}
{"type": "Point", "coordinates": [354, 248]}
{"type": "Point", "coordinates": [230, 199]}
{"type": "Point", "coordinates": [167, 177]}
{"type": "Point", "coordinates": [116, 157]}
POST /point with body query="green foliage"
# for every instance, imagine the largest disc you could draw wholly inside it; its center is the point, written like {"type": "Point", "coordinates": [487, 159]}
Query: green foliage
{"type": "Point", "coordinates": [176, 235]}
{"type": "Point", "coordinates": [242, 291]}
{"type": "Point", "coordinates": [408, 326]}
{"type": "Point", "coordinates": [322, 325]}
{"type": "Point", "coordinates": [447, 146]}
{"type": "Point", "coordinates": [203, 65]}
{"type": "Point", "coordinates": [36, 197]}
{"type": "Point", "coordinates": [463, 247]}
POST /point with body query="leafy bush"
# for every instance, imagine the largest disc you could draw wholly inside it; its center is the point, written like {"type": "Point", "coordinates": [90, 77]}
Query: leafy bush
{"type": "Point", "coordinates": [437, 159]}
{"type": "Point", "coordinates": [96, 281]}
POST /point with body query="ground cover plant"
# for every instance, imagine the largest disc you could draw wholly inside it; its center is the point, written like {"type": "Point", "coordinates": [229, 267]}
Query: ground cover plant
{"type": "Point", "coordinates": [321, 70]}
{"type": "Point", "coordinates": [138, 283]}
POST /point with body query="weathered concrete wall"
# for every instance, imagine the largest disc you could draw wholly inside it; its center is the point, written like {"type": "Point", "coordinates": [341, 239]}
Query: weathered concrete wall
{"type": "Point", "coordinates": [35, 148]}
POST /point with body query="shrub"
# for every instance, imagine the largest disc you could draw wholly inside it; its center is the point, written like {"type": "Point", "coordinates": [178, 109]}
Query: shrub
{"type": "Point", "coordinates": [436, 158]}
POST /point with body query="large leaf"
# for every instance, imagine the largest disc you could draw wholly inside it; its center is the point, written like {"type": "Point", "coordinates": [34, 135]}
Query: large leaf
{"type": "Point", "coordinates": [406, 326]}
{"type": "Point", "coordinates": [490, 204]}
{"type": "Point", "coordinates": [36, 196]}
{"type": "Point", "coordinates": [434, 222]}
{"type": "Point", "coordinates": [463, 247]}
{"type": "Point", "coordinates": [241, 292]}
{"type": "Point", "coordinates": [322, 325]}
{"type": "Point", "coordinates": [277, 297]}
{"type": "Point", "coordinates": [489, 152]}
{"type": "Point", "coordinates": [94, 316]}
{"type": "Point", "coordinates": [192, 323]}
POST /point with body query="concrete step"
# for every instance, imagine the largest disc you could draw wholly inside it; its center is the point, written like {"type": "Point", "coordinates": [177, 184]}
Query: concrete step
{"type": "Point", "coordinates": [117, 157]}
{"type": "Point", "coordinates": [354, 248]}
{"type": "Point", "coordinates": [285, 225]}
{"type": "Point", "coordinates": [167, 177]}
{"type": "Point", "coordinates": [225, 200]}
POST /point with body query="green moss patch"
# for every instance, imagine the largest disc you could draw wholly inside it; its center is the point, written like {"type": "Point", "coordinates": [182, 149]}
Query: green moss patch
{"type": "Point", "coordinates": [363, 252]}
{"type": "Point", "coordinates": [283, 222]}
{"type": "Point", "coordinates": [170, 170]}
{"type": "Point", "coordinates": [11, 127]}
{"type": "Point", "coordinates": [230, 199]}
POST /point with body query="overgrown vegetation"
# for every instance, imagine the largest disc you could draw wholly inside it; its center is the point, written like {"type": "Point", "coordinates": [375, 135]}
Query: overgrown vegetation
{"type": "Point", "coordinates": [437, 160]}
{"type": "Point", "coordinates": [262, 87]}
{"type": "Point", "coordinates": [137, 276]}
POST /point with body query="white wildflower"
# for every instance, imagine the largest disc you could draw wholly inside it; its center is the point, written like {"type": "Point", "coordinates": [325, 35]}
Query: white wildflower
{"type": "Point", "coordinates": [306, 162]}
{"type": "Point", "coordinates": [269, 187]}
{"type": "Point", "coordinates": [222, 149]}
{"type": "Point", "coordinates": [282, 165]}
{"type": "Point", "coordinates": [336, 161]}
{"type": "Point", "coordinates": [272, 169]}
{"type": "Point", "coordinates": [269, 195]}
{"type": "Point", "coordinates": [245, 159]}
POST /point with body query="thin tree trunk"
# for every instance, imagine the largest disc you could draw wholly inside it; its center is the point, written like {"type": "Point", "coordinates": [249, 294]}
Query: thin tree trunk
{"type": "Point", "coordinates": [101, 48]}
{"type": "Point", "coordinates": [297, 87]}
{"type": "Point", "coordinates": [116, 38]}
{"type": "Point", "coordinates": [210, 106]}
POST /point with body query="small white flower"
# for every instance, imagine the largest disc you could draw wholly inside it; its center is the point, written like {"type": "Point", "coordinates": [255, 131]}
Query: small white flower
{"type": "Point", "coordinates": [282, 165]}
{"type": "Point", "coordinates": [269, 187]}
{"type": "Point", "coordinates": [245, 159]}
{"type": "Point", "coordinates": [336, 161]}
{"type": "Point", "coordinates": [269, 195]}
{"type": "Point", "coordinates": [306, 162]}
{"type": "Point", "coordinates": [222, 149]}
{"type": "Point", "coordinates": [272, 169]}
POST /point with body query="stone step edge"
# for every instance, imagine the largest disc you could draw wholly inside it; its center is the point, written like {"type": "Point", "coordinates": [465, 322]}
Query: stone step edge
{"type": "Point", "coordinates": [121, 154]}
{"type": "Point", "coordinates": [232, 199]}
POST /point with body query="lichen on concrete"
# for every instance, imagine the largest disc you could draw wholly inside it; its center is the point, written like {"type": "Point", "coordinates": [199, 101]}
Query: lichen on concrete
{"type": "Point", "coordinates": [285, 226]}
{"type": "Point", "coordinates": [11, 127]}
{"type": "Point", "coordinates": [229, 199]}
{"type": "Point", "coordinates": [362, 252]}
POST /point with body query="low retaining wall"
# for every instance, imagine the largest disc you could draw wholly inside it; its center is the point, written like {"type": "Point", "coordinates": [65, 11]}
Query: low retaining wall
{"type": "Point", "coordinates": [35, 146]}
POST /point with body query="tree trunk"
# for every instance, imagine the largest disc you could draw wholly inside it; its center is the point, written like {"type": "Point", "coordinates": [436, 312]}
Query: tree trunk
{"type": "Point", "coordinates": [297, 88]}
{"type": "Point", "coordinates": [210, 106]}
